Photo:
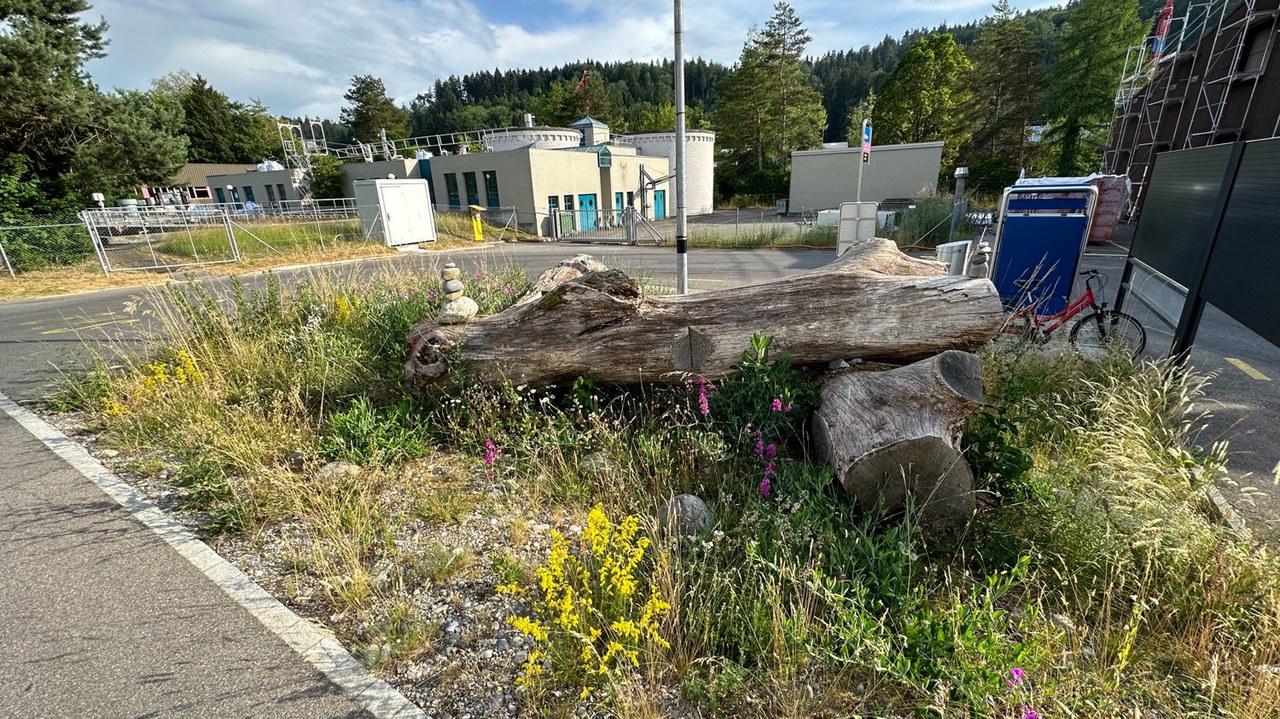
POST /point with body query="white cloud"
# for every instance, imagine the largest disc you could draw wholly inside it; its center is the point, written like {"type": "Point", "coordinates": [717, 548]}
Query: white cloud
{"type": "Point", "coordinates": [298, 56]}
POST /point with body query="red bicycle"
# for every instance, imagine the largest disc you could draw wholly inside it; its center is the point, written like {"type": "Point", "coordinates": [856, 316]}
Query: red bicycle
{"type": "Point", "coordinates": [1094, 335]}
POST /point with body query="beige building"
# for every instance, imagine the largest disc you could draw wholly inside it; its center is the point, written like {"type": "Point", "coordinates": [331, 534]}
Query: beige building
{"type": "Point", "coordinates": [595, 183]}
{"type": "Point", "coordinates": [822, 179]}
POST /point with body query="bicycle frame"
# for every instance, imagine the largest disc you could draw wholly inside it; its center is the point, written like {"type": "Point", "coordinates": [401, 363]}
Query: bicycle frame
{"type": "Point", "coordinates": [1047, 324]}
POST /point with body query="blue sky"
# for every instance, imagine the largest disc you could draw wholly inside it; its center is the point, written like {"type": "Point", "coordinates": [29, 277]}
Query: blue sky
{"type": "Point", "coordinates": [298, 56]}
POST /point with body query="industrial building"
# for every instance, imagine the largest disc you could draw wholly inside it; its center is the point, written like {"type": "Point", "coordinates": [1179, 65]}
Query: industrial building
{"type": "Point", "coordinates": [1209, 77]}
{"type": "Point", "coordinates": [580, 177]}
{"type": "Point", "coordinates": [823, 179]}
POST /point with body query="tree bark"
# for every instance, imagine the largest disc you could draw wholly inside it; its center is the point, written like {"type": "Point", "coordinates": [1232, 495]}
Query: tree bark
{"type": "Point", "coordinates": [893, 436]}
{"type": "Point", "coordinates": [873, 303]}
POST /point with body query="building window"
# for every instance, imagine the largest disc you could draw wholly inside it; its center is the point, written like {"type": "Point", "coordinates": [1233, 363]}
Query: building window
{"type": "Point", "coordinates": [1256, 55]}
{"type": "Point", "coordinates": [631, 199]}
{"type": "Point", "coordinates": [491, 188]}
{"type": "Point", "coordinates": [451, 187]}
{"type": "Point", "coordinates": [222, 196]}
{"type": "Point", "coordinates": [473, 190]}
{"type": "Point", "coordinates": [568, 202]}
{"type": "Point", "coordinates": [553, 204]}
{"type": "Point", "coordinates": [271, 194]}
{"type": "Point", "coordinates": [248, 194]}
{"type": "Point", "coordinates": [280, 191]}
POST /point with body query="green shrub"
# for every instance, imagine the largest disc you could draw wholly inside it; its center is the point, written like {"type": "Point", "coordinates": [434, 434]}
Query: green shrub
{"type": "Point", "coordinates": [363, 433]}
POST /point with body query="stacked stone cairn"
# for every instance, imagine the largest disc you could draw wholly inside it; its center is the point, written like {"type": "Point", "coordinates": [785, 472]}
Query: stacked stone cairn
{"type": "Point", "coordinates": [458, 308]}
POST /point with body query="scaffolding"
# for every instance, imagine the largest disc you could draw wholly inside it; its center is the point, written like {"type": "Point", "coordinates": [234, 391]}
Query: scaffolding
{"type": "Point", "coordinates": [1196, 90]}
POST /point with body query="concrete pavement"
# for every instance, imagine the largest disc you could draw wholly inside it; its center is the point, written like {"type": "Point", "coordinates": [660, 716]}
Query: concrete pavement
{"type": "Point", "coordinates": [102, 618]}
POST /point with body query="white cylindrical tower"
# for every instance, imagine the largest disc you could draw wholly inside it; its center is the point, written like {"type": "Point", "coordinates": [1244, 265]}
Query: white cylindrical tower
{"type": "Point", "coordinates": [700, 161]}
{"type": "Point", "coordinates": [542, 138]}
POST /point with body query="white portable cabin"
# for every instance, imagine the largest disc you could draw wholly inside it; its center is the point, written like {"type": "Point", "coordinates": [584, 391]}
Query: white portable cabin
{"type": "Point", "coordinates": [396, 212]}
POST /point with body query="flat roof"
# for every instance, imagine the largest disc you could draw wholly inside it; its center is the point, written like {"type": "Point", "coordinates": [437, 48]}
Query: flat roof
{"type": "Point", "coordinates": [874, 149]}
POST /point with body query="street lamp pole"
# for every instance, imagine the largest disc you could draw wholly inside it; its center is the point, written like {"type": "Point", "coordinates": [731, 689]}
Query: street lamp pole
{"type": "Point", "coordinates": [682, 227]}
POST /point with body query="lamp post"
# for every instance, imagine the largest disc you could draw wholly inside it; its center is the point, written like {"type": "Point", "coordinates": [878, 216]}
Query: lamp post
{"type": "Point", "coordinates": [235, 197]}
{"type": "Point", "coordinates": [958, 206]}
{"type": "Point", "coordinates": [682, 218]}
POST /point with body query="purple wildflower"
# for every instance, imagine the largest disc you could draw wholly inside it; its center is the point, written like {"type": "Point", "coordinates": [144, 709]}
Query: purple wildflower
{"type": "Point", "coordinates": [1029, 713]}
{"type": "Point", "coordinates": [766, 481]}
{"type": "Point", "coordinates": [777, 405]}
{"type": "Point", "coordinates": [1017, 677]}
{"type": "Point", "coordinates": [491, 453]}
{"type": "Point", "coordinates": [771, 450]}
{"type": "Point", "coordinates": [704, 406]}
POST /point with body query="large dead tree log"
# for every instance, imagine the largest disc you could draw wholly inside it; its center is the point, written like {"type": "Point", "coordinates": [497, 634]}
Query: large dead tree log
{"type": "Point", "coordinates": [895, 434]}
{"type": "Point", "coordinates": [874, 303]}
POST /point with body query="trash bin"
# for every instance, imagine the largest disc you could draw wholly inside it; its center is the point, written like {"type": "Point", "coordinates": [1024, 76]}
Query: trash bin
{"type": "Point", "coordinates": [955, 254]}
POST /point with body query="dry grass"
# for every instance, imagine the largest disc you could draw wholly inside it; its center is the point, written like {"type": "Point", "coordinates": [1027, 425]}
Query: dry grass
{"type": "Point", "coordinates": [87, 276]}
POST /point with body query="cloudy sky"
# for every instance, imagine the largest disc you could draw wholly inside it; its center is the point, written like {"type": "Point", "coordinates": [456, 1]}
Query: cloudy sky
{"type": "Point", "coordinates": [298, 56]}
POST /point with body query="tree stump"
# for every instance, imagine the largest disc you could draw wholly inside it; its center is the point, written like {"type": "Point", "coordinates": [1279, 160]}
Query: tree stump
{"type": "Point", "coordinates": [893, 436]}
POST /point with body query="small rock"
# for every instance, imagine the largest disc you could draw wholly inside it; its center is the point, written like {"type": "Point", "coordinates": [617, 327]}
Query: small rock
{"type": "Point", "coordinates": [501, 645]}
{"type": "Point", "coordinates": [486, 654]}
{"type": "Point", "coordinates": [453, 627]}
{"type": "Point", "coordinates": [454, 285]}
{"type": "Point", "coordinates": [450, 272]}
{"type": "Point", "coordinates": [297, 460]}
{"type": "Point", "coordinates": [1269, 669]}
{"type": "Point", "coordinates": [458, 311]}
{"type": "Point", "coordinates": [838, 364]}
{"type": "Point", "coordinates": [522, 657]}
{"type": "Point", "coordinates": [337, 470]}
{"type": "Point", "coordinates": [109, 453]}
{"type": "Point", "coordinates": [1062, 621]}
{"type": "Point", "coordinates": [684, 514]}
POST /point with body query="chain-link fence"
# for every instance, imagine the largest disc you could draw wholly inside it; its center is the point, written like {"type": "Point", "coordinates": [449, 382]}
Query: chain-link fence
{"type": "Point", "coordinates": [761, 228]}
{"type": "Point", "coordinates": [45, 241]}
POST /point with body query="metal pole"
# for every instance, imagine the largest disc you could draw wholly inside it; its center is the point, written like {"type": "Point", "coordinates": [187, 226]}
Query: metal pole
{"type": "Point", "coordinates": [8, 267]}
{"type": "Point", "coordinates": [682, 229]}
{"type": "Point", "coordinates": [858, 197]}
{"type": "Point", "coordinates": [957, 203]}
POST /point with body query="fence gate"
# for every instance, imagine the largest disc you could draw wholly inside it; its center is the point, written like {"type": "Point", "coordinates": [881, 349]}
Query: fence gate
{"type": "Point", "coordinates": [625, 226]}
{"type": "Point", "coordinates": [45, 242]}
{"type": "Point", "coordinates": [161, 238]}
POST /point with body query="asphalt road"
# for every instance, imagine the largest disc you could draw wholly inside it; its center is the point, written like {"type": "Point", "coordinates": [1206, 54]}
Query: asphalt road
{"type": "Point", "coordinates": [103, 619]}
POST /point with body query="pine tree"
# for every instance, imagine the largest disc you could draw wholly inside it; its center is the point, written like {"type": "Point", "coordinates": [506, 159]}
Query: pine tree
{"type": "Point", "coordinates": [46, 99]}
{"type": "Point", "coordinates": [1006, 96]}
{"type": "Point", "coordinates": [767, 105]}
{"type": "Point", "coordinates": [371, 110]}
{"type": "Point", "coordinates": [1082, 82]}
{"type": "Point", "coordinates": [209, 123]}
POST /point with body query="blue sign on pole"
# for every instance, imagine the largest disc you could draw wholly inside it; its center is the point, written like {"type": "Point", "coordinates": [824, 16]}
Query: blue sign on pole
{"type": "Point", "coordinates": [866, 140]}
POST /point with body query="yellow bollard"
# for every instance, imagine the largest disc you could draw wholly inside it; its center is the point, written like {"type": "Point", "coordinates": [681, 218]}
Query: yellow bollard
{"type": "Point", "coordinates": [477, 227]}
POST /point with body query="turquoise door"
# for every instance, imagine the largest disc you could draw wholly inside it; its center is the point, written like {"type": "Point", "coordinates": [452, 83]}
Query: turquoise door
{"type": "Point", "coordinates": [617, 206]}
{"type": "Point", "coordinates": [587, 209]}
{"type": "Point", "coordinates": [659, 204]}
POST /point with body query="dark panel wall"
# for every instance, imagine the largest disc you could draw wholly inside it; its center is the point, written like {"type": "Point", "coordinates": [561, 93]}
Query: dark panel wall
{"type": "Point", "coordinates": [1244, 273]}
{"type": "Point", "coordinates": [1175, 224]}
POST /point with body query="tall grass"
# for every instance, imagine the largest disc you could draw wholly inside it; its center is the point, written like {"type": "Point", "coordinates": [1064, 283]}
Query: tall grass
{"type": "Point", "coordinates": [1090, 569]}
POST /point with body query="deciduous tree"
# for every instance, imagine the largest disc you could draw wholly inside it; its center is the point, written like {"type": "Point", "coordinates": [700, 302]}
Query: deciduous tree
{"type": "Point", "coordinates": [925, 98]}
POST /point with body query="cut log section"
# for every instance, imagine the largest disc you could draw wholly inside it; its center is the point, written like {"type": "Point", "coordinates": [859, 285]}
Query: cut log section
{"type": "Point", "coordinates": [895, 434]}
{"type": "Point", "coordinates": [873, 303]}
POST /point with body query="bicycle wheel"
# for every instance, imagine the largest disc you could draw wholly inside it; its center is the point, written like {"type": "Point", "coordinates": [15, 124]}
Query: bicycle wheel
{"type": "Point", "coordinates": [1107, 331]}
